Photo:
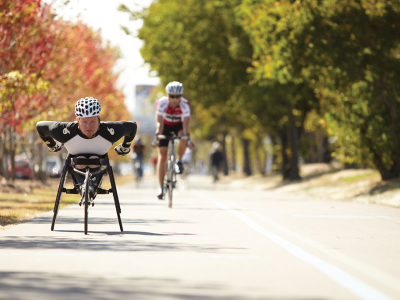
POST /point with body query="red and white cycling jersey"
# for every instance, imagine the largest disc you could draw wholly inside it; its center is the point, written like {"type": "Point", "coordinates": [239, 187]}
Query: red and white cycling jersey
{"type": "Point", "coordinates": [172, 116]}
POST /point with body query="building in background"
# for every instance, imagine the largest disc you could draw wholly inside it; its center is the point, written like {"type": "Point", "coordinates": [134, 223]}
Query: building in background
{"type": "Point", "coordinates": [143, 113]}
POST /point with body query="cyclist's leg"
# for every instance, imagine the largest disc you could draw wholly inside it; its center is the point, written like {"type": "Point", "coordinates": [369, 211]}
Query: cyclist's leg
{"type": "Point", "coordinates": [181, 149]}
{"type": "Point", "coordinates": [140, 157]}
{"type": "Point", "coordinates": [161, 164]}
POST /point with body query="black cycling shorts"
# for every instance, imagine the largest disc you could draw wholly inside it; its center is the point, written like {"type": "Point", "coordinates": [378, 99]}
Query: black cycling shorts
{"type": "Point", "coordinates": [168, 129]}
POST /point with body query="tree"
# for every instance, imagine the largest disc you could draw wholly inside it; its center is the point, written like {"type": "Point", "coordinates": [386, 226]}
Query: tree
{"type": "Point", "coordinates": [348, 53]}
{"type": "Point", "coordinates": [46, 65]}
{"type": "Point", "coordinates": [200, 44]}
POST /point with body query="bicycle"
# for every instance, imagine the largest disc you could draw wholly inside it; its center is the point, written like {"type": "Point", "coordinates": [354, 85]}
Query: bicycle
{"type": "Point", "coordinates": [87, 184]}
{"type": "Point", "coordinates": [170, 175]}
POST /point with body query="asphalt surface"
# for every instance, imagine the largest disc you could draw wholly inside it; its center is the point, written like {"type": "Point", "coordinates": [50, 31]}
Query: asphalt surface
{"type": "Point", "coordinates": [217, 242]}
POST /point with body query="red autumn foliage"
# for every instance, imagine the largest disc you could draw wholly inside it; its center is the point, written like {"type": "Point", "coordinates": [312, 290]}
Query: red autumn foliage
{"type": "Point", "coordinates": [72, 58]}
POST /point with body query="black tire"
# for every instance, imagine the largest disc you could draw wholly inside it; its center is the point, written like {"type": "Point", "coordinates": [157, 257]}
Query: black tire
{"type": "Point", "coordinates": [170, 177]}
{"type": "Point", "coordinates": [87, 201]}
{"type": "Point", "coordinates": [115, 195]}
{"type": "Point", "coordinates": [59, 196]}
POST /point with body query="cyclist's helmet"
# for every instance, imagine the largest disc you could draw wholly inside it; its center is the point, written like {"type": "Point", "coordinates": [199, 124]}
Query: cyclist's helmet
{"type": "Point", "coordinates": [87, 107]}
{"type": "Point", "coordinates": [174, 88]}
{"type": "Point", "coordinates": [215, 145]}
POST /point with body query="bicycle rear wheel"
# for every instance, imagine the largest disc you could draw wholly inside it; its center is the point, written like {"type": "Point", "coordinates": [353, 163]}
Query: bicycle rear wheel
{"type": "Point", "coordinates": [86, 201]}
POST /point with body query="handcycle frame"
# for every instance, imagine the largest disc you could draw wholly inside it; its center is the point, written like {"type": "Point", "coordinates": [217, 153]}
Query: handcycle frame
{"type": "Point", "coordinates": [170, 175]}
{"type": "Point", "coordinates": [87, 184]}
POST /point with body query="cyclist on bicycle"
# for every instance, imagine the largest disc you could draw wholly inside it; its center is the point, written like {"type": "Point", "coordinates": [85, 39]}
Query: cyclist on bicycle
{"type": "Point", "coordinates": [87, 134]}
{"type": "Point", "coordinates": [172, 115]}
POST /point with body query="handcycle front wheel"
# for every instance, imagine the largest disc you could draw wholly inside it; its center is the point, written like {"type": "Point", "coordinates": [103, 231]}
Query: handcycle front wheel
{"type": "Point", "coordinates": [87, 200]}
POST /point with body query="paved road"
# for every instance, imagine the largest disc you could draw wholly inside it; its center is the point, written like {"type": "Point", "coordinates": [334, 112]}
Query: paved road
{"type": "Point", "coordinates": [217, 242]}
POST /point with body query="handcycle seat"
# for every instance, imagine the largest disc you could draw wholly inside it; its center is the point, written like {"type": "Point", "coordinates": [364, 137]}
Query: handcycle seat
{"type": "Point", "coordinates": [88, 159]}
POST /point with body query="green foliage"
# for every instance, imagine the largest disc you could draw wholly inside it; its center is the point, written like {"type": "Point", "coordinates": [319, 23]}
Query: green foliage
{"type": "Point", "coordinates": [200, 44]}
{"type": "Point", "coordinates": [263, 65]}
{"type": "Point", "coordinates": [348, 52]}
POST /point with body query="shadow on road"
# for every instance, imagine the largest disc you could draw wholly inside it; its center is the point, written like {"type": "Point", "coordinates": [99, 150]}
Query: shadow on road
{"type": "Point", "coordinates": [95, 242]}
{"type": "Point", "coordinates": [71, 220]}
{"type": "Point", "coordinates": [37, 285]}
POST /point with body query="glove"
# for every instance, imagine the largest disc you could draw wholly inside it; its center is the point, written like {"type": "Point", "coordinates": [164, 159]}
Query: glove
{"type": "Point", "coordinates": [56, 148]}
{"type": "Point", "coordinates": [121, 150]}
{"type": "Point", "coordinates": [189, 143]}
{"type": "Point", "coordinates": [154, 143]}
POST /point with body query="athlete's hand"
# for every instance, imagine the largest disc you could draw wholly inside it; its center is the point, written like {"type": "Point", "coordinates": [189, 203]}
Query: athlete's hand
{"type": "Point", "coordinates": [121, 150]}
{"type": "Point", "coordinates": [189, 144]}
{"type": "Point", "coordinates": [56, 148]}
{"type": "Point", "coordinates": [154, 143]}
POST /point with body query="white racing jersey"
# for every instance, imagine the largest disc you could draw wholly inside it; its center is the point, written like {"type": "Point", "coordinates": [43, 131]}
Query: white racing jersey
{"type": "Point", "coordinates": [172, 115]}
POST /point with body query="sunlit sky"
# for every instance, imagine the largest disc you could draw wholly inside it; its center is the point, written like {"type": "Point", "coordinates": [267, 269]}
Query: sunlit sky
{"type": "Point", "coordinates": [103, 15]}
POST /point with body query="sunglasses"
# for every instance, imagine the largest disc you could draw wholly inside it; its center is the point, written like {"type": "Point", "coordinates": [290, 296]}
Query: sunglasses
{"type": "Point", "coordinates": [174, 96]}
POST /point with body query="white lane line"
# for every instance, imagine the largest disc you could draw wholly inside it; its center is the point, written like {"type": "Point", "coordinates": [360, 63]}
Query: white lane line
{"type": "Point", "coordinates": [340, 217]}
{"type": "Point", "coordinates": [374, 273]}
{"type": "Point", "coordinates": [358, 287]}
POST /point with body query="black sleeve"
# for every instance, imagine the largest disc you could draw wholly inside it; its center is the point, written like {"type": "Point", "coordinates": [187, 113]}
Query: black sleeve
{"type": "Point", "coordinates": [43, 128]}
{"type": "Point", "coordinates": [49, 131]}
{"type": "Point", "coordinates": [113, 131]}
{"type": "Point", "coordinates": [130, 133]}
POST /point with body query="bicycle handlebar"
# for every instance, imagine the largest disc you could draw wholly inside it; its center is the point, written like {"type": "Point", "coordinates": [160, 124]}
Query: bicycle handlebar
{"type": "Point", "coordinates": [172, 137]}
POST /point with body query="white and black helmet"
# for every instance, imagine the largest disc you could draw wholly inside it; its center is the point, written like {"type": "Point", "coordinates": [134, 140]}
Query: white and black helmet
{"type": "Point", "coordinates": [174, 88]}
{"type": "Point", "coordinates": [87, 107]}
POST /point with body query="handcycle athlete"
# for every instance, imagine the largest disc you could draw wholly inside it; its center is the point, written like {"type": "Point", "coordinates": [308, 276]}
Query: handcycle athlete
{"type": "Point", "coordinates": [172, 116]}
{"type": "Point", "coordinates": [87, 141]}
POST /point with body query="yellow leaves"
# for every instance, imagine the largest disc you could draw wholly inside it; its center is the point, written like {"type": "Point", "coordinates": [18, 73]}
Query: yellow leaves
{"type": "Point", "coordinates": [296, 112]}
{"type": "Point", "coordinates": [375, 8]}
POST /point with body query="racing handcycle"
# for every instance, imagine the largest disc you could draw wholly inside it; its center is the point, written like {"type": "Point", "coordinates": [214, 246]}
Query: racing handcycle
{"type": "Point", "coordinates": [87, 183]}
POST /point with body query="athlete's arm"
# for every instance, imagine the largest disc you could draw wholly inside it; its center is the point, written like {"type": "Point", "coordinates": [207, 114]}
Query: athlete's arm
{"type": "Point", "coordinates": [44, 128]}
{"type": "Point", "coordinates": [113, 131]}
{"type": "Point", "coordinates": [160, 124]}
{"type": "Point", "coordinates": [185, 126]}
{"type": "Point", "coordinates": [130, 129]}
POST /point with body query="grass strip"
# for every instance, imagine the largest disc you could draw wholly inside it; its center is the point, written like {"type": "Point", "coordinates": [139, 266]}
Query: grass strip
{"type": "Point", "coordinates": [18, 207]}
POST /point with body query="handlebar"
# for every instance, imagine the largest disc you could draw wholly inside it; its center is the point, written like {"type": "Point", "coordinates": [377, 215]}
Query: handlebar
{"type": "Point", "coordinates": [172, 137]}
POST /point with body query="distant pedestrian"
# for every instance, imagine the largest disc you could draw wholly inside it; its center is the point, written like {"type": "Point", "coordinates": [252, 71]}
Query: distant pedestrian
{"type": "Point", "coordinates": [138, 152]}
{"type": "Point", "coordinates": [216, 159]}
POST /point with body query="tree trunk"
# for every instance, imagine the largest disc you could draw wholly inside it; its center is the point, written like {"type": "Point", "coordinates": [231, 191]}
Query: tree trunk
{"type": "Point", "coordinates": [246, 157]}
{"type": "Point", "coordinates": [2, 154]}
{"type": "Point", "coordinates": [225, 160]}
{"type": "Point", "coordinates": [42, 169]}
{"type": "Point", "coordinates": [285, 156]}
{"type": "Point", "coordinates": [6, 154]}
{"type": "Point", "coordinates": [233, 147]}
{"type": "Point", "coordinates": [260, 155]}
{"type": "Point", "coordinates": [294, 147]}
{"type": "Point", "coordinates": [12, 154]}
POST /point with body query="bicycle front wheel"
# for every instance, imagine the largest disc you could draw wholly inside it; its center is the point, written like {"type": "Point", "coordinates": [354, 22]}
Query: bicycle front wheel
{"type": "Point", "coordinates": [86, 201]}
{"type": "Point", "coordinates": [170, 183]}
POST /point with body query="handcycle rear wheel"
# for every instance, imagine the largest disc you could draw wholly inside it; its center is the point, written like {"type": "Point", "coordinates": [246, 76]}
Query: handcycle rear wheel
{"type": "Point", "coordinates": [86, 200]}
